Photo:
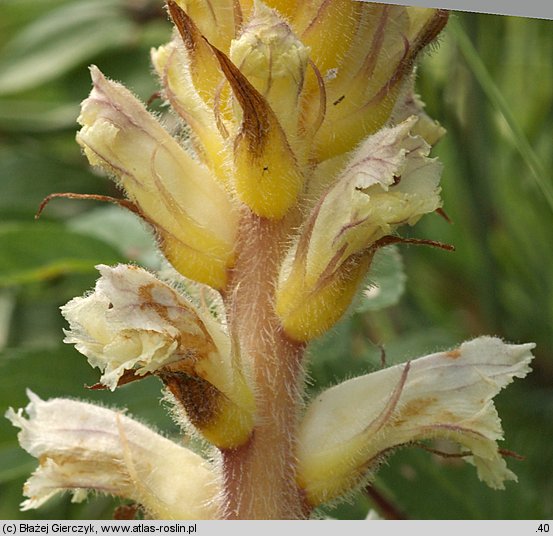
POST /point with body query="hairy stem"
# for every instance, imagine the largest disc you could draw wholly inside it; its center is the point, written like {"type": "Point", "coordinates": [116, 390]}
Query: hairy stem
{"type": "Point", "coordinates": [259, 477]}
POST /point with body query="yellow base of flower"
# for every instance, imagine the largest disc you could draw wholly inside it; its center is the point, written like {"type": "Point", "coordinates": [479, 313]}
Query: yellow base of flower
{"type": "Point", "coordinates": [307, 313]}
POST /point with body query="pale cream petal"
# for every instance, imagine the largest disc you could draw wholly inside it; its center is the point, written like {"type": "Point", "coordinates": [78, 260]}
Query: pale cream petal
{"type": "Point", "coordinates": [83, 447]}
{"type": "Point", "coordinates": [445, 395]}
{"type": "Point", "coordinates": [389, 181]}
{"type": "Point", "coordinates": [133, 322]}
{"type": "Point", "coordinates": [410, 103]}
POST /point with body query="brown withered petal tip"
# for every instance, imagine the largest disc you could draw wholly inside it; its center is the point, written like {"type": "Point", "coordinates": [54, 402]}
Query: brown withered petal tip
{"type": "Point", "coordinates": [184, 24]}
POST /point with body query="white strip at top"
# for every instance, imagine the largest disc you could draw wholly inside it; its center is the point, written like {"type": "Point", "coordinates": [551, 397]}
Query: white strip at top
{"type": "Point", "coordinates": [539, 9]}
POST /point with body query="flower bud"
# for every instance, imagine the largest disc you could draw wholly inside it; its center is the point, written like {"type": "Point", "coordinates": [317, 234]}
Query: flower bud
{"type": "Point", "coordinates": [267, 177]}
{"type": "Point", "coordinates": [190, 212]}
{"type": "Point", "coordinates": [266, 174]}
{"type": "Point", "coordinates": [272, 58]}
{"type": "Point", "coordinates": [133, 324]}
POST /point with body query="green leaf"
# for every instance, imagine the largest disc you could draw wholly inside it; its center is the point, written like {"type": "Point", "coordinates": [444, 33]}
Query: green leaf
{"type": "Point", "coordinates": [386, 281]}
{"type": "Point", "coordinates": [37, 116]}
{"type": "Point", "coordinates": [33, 169]}
{"type": "Point", "coordinates": [121, 229]}
{"type": "Point", "coordinates": [7, 303]}
{"type": "Point", "coordinates": [341, 353]}
{"type": "Point", "coordinates": [37, 252]}
{"type": "Point", "coordinates": [60, 371]}
{"type": "Point", "coordinates": [14, 462]}
{"type": "Point", "coordinates": [61, 40]}
{"type": "Point", "coordinates": [495, 96]}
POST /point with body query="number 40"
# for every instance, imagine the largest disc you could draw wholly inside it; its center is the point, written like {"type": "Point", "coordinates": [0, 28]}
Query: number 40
{"type": "Point", "coordinates": [543, 527]}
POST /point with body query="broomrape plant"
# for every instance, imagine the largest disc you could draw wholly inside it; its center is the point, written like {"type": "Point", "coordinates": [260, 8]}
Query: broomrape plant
{"type": "Point", "coordinates": [306, 149]}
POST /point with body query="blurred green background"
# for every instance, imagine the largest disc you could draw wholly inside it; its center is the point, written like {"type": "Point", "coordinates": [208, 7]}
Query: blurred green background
{"type": "Point", "coordinates": [489, 82]}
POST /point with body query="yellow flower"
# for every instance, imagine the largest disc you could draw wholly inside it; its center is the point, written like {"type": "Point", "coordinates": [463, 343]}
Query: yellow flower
{"type": "Point", "coordinates": [345, 434]}
{"type": "Point", "coordinates": [364, 52]}
{"type": "Point", "coordinates": [134, 324]}
{"type": "Point", "coordinates": [82, 447]}
{"type": "Point", "coordinates": [190, 212]}
{"type": "Point", "coordinates": [388, 181]}
{"type": "Point", "coordinates": [348, 429]}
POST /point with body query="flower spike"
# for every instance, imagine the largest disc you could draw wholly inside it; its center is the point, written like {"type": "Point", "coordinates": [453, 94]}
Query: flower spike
{"type": "Point", "coordinates": [302, 148]}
